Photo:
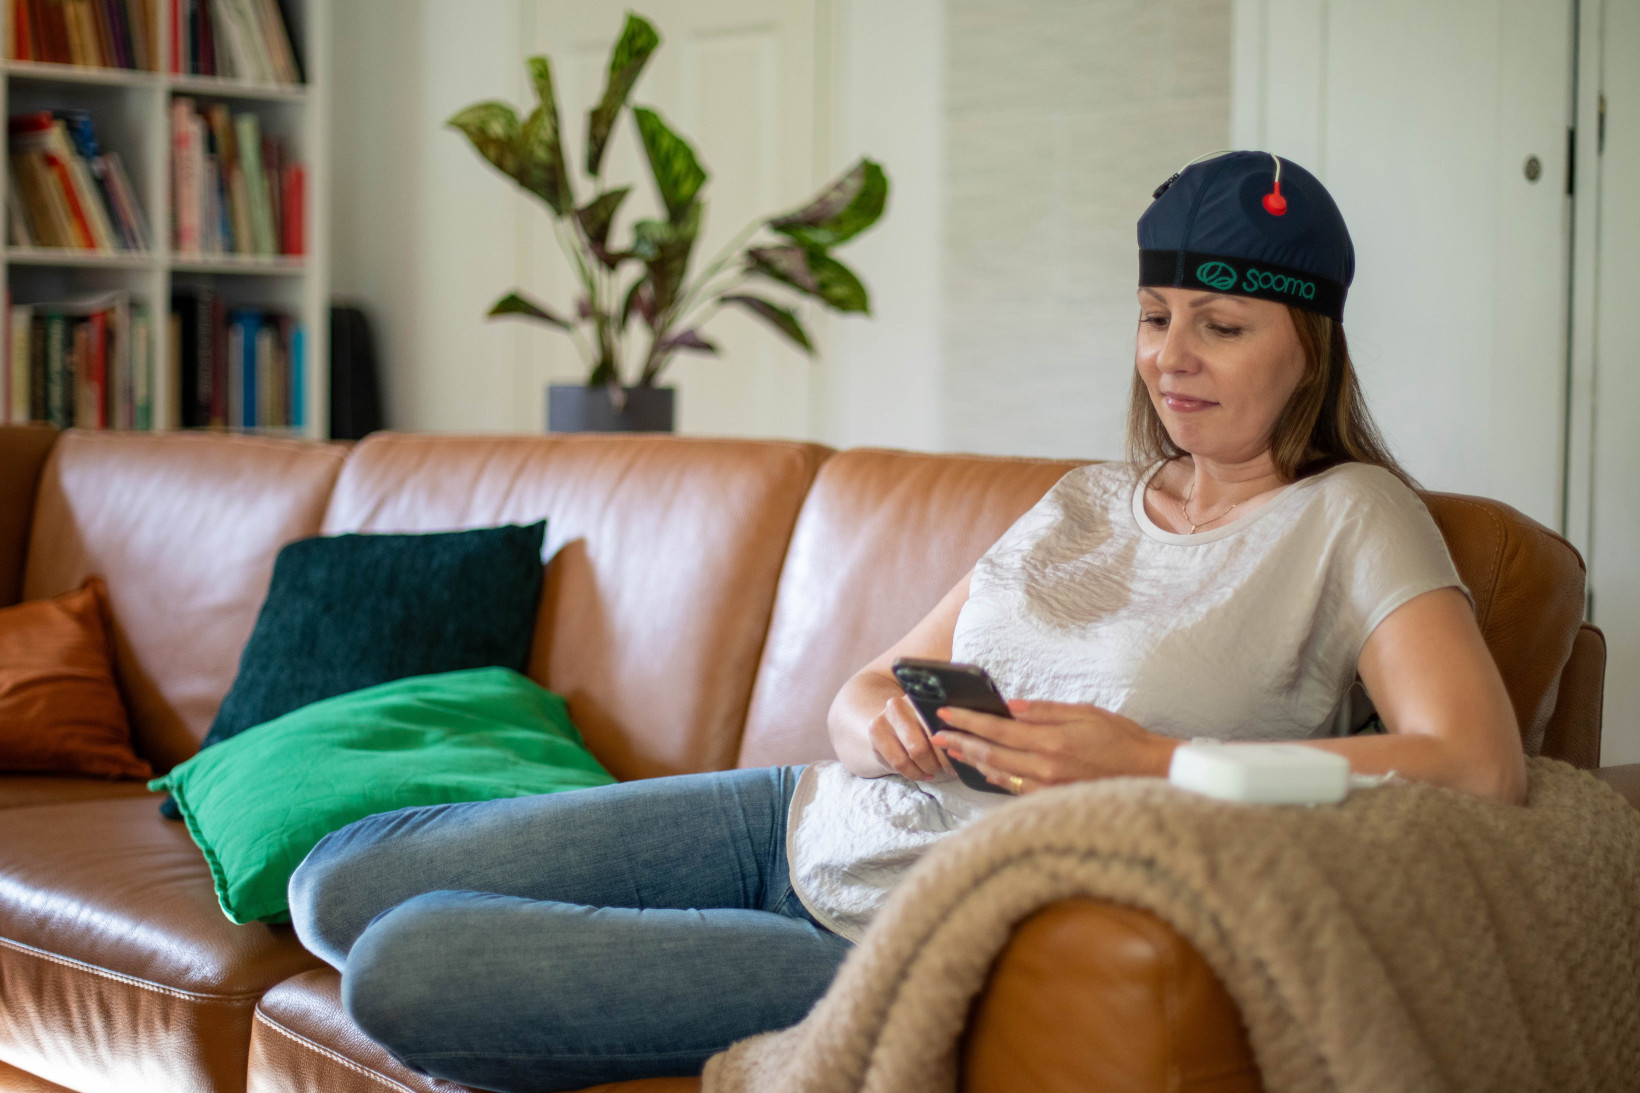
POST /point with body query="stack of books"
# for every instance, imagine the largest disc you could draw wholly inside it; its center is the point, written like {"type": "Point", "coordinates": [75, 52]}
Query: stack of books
{"type": "Point", "coordinates": [237, 39]}
{"type": "Point", "coordinates": [65, 191]}
{"type": "Point", "coordinates": [95, 33]}
{"type": "Point", "coordinates": [241, 368]}
{"type": "Point", "coordinates": [236, 191]}
{"type": "Point", "coordinates": [87, 363]}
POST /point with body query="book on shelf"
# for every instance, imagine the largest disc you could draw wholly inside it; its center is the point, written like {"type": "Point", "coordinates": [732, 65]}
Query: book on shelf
{"type": "Point", "coordinates": [240, 367]}
{"type": "Point", "coordinates": [86, 363]}
{"type": "Point", "coordinates": [236, 191]}
{"type": "Point", "coordinates": [234, 39]}
{"type": "Point", "coordinates": [88, 33]}
{"type": "Point", "coordinates": [65, 191]}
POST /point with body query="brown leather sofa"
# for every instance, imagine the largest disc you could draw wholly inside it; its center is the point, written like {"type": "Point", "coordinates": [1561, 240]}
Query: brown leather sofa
{"type": "Point", "coordinates": [704, 601]}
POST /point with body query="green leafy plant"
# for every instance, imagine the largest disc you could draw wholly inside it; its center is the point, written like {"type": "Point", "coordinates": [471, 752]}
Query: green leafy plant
{"type": "Point", "coordinates": [647, 283]}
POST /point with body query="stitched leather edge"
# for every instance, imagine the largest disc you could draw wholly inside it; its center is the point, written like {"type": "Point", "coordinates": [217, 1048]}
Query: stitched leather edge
{"type": "Point", "coordinates": [331, 1054]}
{"type": "Point", "coordinates": [130, 980]}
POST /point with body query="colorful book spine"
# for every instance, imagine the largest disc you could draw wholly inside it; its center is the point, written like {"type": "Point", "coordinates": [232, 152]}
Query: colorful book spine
{"type": "Point", "coordinates": [142, 368]}
{"type": "Point", "coordinates": [59, 383]}
{"type": "Point", "coordinates": [20, 357]}
{"type": "Point", "coordinates": [298, 377]}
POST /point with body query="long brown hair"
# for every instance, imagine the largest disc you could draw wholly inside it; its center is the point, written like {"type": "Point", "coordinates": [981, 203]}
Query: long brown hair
{"type": "Point", "coordinates": [1325, 422]}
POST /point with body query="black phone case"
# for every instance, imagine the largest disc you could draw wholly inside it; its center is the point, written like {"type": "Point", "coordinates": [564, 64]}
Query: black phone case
{"type": "Point", "coordinates": [930, 684]}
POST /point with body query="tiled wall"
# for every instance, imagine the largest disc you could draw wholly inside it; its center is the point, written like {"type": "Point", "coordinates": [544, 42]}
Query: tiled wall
{"type": "Point", "coordinates": [1061, 117]}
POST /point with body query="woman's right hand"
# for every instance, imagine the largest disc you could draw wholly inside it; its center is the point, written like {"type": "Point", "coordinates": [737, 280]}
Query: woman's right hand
{"type": "Point", "coordinates": [900, 742]}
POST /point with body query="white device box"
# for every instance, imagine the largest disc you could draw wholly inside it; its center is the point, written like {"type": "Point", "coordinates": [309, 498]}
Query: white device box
{"type": "Point", "coordinates": [1270, 774]}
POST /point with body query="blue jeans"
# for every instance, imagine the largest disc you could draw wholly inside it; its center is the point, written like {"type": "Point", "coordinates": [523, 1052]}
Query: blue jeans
{"type": "Point", "coordinates": [553, 942]}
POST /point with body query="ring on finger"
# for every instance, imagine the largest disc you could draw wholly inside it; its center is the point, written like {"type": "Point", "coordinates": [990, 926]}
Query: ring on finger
{"type": "Point", "coordinates": [1016, 783]}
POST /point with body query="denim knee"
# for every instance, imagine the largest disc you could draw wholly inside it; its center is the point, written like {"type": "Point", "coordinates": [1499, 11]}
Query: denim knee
{"type": "Point", "coordinates": [394, 987]}
{"type": "Point", "coordinates": [319, 907]}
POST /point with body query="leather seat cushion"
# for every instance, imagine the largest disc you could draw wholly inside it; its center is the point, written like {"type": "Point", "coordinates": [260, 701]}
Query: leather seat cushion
{"type": "Point", "coordinates": [303, 1041]}
{"type": "Point", "coordinates": [20, 790]}
{"type": "Point", "coordinates": [664, 556]}
{"type": "Point", "coordinates": [882, 536]}
{"type": "Point", "coordinates": [118, 970]}
{"type": "Point", "coordinates": [184, 529]}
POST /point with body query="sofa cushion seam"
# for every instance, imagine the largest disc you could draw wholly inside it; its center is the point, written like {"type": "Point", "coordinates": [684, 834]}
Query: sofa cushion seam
{"type": "Point", "coordinates": [130, 980]}
{"type": "Point", "coordinates": [329, 1053]}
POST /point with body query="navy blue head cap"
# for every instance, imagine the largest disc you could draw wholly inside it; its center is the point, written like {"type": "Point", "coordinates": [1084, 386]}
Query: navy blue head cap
{"type": "Point", "coordinates": [1228, 224]}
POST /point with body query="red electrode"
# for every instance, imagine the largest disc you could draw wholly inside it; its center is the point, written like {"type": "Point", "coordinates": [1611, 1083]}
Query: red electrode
{"type": "Point", "coordinates": [1274, 203]}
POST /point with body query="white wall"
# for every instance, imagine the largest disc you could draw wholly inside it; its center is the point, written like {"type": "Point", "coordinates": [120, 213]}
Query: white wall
{"type": "Point", "coordinates": [879, 383]}
{"type": "Point", "coordinates": [1061, 119]}
{"type": "Point", "coordinates": [424, 235]}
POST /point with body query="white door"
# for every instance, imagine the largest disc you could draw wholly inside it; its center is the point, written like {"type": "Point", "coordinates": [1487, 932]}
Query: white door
{"type": "Point", "coordinates": [1421, 116]}
{"type": "Point", "coordinates": [736, 78]}
{"type": "Point", "coordinates": [1605, 451]}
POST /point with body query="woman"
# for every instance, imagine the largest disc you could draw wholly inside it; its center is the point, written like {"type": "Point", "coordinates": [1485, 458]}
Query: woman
{"type": "Point", "coordinates": [1258, 553]}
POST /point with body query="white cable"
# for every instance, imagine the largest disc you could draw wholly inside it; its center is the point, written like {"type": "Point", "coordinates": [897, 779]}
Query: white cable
{"type": "Point", "coordinates": [1222, 151]}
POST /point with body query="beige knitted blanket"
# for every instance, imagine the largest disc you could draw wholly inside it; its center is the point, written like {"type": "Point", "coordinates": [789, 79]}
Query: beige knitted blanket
{"type": "Point", "coordinates": [1474, 946]}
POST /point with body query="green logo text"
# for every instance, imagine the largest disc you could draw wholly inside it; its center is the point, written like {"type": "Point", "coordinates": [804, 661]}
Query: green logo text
{"type": "Point", "coordinates": [1274, 282]}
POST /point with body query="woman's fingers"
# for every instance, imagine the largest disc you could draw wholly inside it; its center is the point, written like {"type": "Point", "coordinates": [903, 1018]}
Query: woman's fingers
{"type": "Point", "coordinates": [912, 733]}
{"type": "Point", "coordinates": [1014, 734]}
{"type": "Point", "coordinates": [1013, 783]}
{"type": "Point", "coordinates": [902, 744]}
{"type": "Point", "coordinates": [992, 757]}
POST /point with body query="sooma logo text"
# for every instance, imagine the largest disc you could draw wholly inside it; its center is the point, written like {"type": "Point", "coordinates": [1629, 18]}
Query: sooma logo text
{"type": "Point", "coordinates": [1219, 275]}
{"type": "Point", "coordinates": [1275, 282]}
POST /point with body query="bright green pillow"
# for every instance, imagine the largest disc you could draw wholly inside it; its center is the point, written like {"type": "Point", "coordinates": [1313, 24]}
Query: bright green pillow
{"type": "Point", "coordinates": [257, 802]}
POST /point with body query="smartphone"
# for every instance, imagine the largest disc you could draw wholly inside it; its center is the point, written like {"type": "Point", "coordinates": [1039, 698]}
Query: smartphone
{"type": "Point", "coordinates": [930, 684]}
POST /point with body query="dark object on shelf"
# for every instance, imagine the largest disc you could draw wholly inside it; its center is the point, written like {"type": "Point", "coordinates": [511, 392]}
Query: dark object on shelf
{"type": "Point", "coordinates": [577, 408]}
{"type": "Point", "coordinates": [355, 397]}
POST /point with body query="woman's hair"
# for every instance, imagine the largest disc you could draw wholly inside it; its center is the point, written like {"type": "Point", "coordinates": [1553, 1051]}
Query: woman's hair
{"type": "Point", "coordinates": [1324, 423]}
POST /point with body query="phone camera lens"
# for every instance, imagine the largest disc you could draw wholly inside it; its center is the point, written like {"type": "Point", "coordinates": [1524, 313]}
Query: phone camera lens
{"type": "Point", "coordinates": [924, 684]}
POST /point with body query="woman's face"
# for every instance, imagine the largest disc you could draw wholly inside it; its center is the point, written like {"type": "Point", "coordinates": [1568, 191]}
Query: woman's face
{"type": "Point", "coordinates": [1219, 369]}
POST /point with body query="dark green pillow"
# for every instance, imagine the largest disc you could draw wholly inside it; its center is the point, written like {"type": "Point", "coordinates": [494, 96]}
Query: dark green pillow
{"type": "Point", "coordinates": [257, 803]}
{"type": "Point", "coordinates": [351, 611]}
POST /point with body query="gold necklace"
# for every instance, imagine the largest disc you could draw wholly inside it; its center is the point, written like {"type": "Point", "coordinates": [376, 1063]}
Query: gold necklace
{"type": "Point", "coordinates": [1185, 508]}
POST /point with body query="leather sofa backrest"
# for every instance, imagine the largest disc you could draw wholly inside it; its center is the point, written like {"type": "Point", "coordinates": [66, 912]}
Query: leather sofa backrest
{"type": "Point", "coordinates": [184, 529]}
{"type": "Point", "coordinates": [23, 451]}
{"type": "Point", "coordinates": [1528, 588]}
{"type": "Point", "coordinates": [664, 557]}
{"type": "Point", "coordinates": [882, 536]}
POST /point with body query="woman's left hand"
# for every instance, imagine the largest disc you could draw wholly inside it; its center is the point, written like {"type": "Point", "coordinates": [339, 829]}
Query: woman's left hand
{"type": "Point", "coordinates": [1052, 743]}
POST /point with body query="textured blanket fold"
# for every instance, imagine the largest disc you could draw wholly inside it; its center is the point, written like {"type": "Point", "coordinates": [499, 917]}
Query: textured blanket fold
{"type": "Point", "coordinates": [1411, 938]}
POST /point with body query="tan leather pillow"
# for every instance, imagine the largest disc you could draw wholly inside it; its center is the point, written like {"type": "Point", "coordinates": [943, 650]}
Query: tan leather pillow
{"type": "Point", "coordinates": [60, 711]}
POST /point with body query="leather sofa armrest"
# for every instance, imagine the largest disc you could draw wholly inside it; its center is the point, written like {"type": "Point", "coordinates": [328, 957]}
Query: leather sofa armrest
{"type": "Point", "coordinates": [1094, 995]}
{"type": "Point", "coordinates": [1624, 779]}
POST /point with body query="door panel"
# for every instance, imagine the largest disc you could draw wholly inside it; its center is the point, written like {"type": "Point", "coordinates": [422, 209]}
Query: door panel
{"type": "Point", "coordinates": [1614, 545]}
{"type": "Point", "coordinates": [1419, 116]}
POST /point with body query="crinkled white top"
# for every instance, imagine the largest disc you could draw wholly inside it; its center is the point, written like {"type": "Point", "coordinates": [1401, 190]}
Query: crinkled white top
{"type": "Point", "coordinates": [1250, 631]}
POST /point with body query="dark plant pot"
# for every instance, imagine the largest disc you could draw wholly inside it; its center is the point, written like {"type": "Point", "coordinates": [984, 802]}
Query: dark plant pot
{"type": "Point", "coordinates": [575, 408]}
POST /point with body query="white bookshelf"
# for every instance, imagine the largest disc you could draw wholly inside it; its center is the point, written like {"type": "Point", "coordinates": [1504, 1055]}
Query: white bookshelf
{"type": "Point", "coordinates": [131, 112]}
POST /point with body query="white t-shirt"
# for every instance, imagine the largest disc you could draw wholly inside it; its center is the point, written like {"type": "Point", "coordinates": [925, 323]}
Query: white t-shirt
{"type": "Point", "coordinates": [1250, 631]}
